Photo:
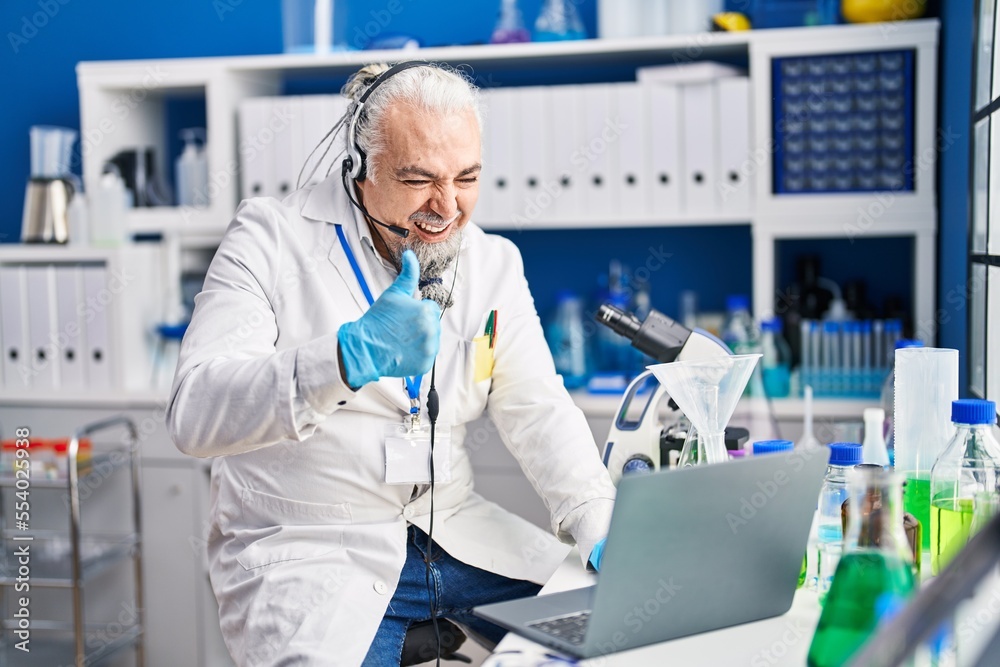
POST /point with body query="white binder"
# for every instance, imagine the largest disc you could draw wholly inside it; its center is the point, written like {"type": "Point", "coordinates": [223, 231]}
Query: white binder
{"type": "Point", "coordinates": [736, 163]}
{"type": "Point", "coordinates": [531, 104]}
{"type": "Point", "coordinates": [72, 342]}
{"type": "Point", "coordinates": [483, 213]}
{"type": "Point", "coordinates": [601, 133]}
{"type": "Point", "coordinates": [256, 148]}
{"type": "Point", "coordinates": [97, 321]}
{"type": "Point", "coordinates": [567, 168]}
{"type": "Point", "coordinates": [631, 175]}
{"type": "Point", "coordinates": [14, 328]}
{"type": "Point", "coordinates": [42, 334]}
{"type": "Point", "coordinates": [504, 181]}
{"type": "Point", "coordinates": [700, 148]}
{"type": "Point", "coordinates": [664, 150]}
{"type": "Point", "coordinates": [286, 116]}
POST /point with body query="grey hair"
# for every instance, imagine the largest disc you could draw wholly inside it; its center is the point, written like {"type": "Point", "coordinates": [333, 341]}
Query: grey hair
{"type": "Point", "coordinates": [435, 89]}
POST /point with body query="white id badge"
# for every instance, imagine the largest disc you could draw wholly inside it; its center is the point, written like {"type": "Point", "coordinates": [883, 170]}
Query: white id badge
{"type": "Point", "coordinates": [408, 455]}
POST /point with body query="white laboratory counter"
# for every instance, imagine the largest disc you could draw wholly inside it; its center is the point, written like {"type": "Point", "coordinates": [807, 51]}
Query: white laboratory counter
{"type": "Point", "coordinates": [782, 640]}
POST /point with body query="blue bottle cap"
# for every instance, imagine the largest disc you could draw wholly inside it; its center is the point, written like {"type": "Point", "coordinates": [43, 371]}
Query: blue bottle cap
{"type": "Point", "coordinates": [866, 326]}
{"type": "Point", "coordinates": [772, 324]}
{"type": "Point", "coordinates": [830, 326]}
{"type": "Point", "coordinates": [908, 342]}
{"type": "Point", "coordinates": [973, 411]}
{"type": "Point", "coordinates": [847, 454]}
{"type": "Point", "coordinates": [893, 326]}
{"type": "Point", "coordinates": [737, 302]}
{"type": "Point", "coordinates": [771, 446]}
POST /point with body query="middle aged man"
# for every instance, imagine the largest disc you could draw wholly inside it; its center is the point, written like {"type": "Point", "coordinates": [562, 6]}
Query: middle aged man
{"type": "Point", "coordinates": [292, 374]}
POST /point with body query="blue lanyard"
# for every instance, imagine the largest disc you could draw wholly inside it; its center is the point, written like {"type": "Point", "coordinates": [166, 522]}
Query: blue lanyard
{"type": "Point", "coordinates": [412, 383]}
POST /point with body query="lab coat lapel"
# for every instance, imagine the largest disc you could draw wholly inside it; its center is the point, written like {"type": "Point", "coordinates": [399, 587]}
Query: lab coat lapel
{"type": "Point", "coordinates": [325, 203]}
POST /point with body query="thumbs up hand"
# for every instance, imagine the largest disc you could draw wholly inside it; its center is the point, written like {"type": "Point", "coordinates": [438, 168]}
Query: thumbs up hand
{"type": "Point", "coordinates": [398, 336]}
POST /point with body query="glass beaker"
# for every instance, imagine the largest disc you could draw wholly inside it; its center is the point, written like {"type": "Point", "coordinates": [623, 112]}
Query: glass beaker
{"type": "Point", "coordinates": [875, 570]}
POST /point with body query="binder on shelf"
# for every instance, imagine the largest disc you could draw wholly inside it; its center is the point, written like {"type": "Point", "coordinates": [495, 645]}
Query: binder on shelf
{"type": "Point", "coordinates": [319, 114]}
{"type": "Point", "coordinates": [700, 148]}
{"type": "Point", "coordinates": [97, 320]}
{"type": "Point", "coordinates": [504, 183]}
{"type": "Point", "coordinates": [631, 175]}
{"type": "Point", "coordinates": [665, 148]}
{"type": "Point", "coordinates": [566, 169]}
{"type": "Point", "coordinates": [600, 134]}
{"type": "Point", "coordinates": [256, 148]}
{"type": "Point", "coordinates": [736, 162]}
{"type": "Point", "coordinates": [14, 327]}
{"type": "Point", "coordinates": [44, 353]}
{"type": "Point", "coordinates": [534, 204]}
{"type": "Point", "coordinates": [71, 342]}
{"type": "Point", "coordinates": [483, 213]}
{"type": "Point", "coordinates": [290, 145]}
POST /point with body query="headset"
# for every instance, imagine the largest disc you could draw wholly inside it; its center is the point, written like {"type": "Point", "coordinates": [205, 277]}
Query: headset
{"type": "Point", "coordinates": [354, 167]}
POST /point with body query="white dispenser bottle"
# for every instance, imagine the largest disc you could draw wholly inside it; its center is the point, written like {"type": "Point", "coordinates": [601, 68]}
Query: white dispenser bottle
{"type": "Point", "coordinates": [191, 169]}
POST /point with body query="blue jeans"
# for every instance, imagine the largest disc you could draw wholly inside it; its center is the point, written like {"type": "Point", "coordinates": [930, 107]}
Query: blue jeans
{"type": "Point", "coordinates": [457, 588]}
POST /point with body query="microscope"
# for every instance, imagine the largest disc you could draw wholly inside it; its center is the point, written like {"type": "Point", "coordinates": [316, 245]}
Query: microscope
{"type": "Point", "coordinates": [639, 439]}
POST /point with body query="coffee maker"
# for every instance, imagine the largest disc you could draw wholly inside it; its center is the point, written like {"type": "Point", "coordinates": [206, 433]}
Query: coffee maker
{"type": "Point", "coordinates": [50, 188]}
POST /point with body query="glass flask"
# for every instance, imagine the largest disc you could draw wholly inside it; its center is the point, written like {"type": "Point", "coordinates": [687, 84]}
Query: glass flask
{"type": "Point", "coordinates": [875, 571]}
{"type": "Point", "coordinates": [968, 467]}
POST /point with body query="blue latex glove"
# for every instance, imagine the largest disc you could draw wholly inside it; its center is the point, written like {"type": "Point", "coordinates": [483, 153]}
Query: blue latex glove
{"type": "Point", "coordinates": [596, 554]}
{"type": "Point", "coordinates": [398, 336]}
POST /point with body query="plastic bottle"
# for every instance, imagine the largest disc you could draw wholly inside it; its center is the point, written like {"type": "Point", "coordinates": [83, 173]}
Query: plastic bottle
{"type": "Point", "coordinates": [191, 169]}
{"type": "Point", "coordinates": [737, 328]}
{"type": "Point", "coordinates": [510, 25]}
{"type": "Point", "coordinates": [875, 571]}
{"type": "Point", "coordinates": [833, 493]}
{"type": "Point", "coordinates": [873, 448]}
{"type": "Point", "coordinates": [777, 359]}
{"type": "Point", "coordinates": [567, 341]}
{"type": "Point", "coordinates": [109, 203]}
{"type": "Point", "coordinates": [558, 21]}
{"type": "Point", "coordinates": [968, 467]}
{"type": "Point", "coordinates": [889, 397]}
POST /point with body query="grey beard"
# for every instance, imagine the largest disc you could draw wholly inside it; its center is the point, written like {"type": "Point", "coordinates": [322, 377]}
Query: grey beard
{"type": "Point", "coordinates": [434, 259]}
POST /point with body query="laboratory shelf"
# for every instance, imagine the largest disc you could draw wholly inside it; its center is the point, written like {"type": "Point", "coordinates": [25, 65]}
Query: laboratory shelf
{"type": "Point", "coordinates": [106, 461]}
{"type": "Point", "coordinates": [48, 650]}
{"type": "Point", "coordinates": [52, 556]}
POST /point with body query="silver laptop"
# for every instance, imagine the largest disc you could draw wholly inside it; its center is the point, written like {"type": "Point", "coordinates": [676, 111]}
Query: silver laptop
{"type": "Point", "coordinates": [689, 551]}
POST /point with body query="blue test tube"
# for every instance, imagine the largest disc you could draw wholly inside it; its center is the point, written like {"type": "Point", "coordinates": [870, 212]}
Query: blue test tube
{"type": "Point", "coordinates": [805, 352]}
{"type": "Point", "coordinates": [893, 332]}
{"type": "Point", "coordinates": [815, 348]}
{"type": "Point", "coordinates": [878, 343]}
{"type": "Point", "coordinates": [831, 356]}
{"type": "Point", "coordinates": [866, 356]}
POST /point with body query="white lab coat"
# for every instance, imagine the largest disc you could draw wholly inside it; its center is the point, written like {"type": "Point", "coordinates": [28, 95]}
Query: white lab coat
{"type": "Point", "coordinates": [307, 541]}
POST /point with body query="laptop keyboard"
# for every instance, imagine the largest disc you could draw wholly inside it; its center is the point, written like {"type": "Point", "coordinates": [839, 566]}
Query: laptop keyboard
{"type": "Point", "coordinates": [572, 628]}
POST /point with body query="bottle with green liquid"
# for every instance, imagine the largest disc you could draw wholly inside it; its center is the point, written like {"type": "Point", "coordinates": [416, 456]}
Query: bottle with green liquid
{"type": "Point", "coordinates": [965, 474]}
{"type": "Point", "coordinates": [876, 567]}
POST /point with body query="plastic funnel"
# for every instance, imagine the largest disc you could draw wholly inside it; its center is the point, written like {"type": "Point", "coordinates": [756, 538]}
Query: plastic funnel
{"type": "Point", "coordinates": [926, 382]}
{"type": "Point", "coordinates": [51, 150]}
{"type": "Point", "coordinates": [707, 392]}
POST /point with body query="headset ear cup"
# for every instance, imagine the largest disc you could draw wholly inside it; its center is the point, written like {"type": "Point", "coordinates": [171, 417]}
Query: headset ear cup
{"type": "Point", "coordinates": [363, 171]}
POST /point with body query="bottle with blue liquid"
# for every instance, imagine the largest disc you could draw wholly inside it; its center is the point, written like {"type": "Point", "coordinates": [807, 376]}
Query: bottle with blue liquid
{"type": "Point", "coordinates": [559, 21]}
{"type": "Point", "coordinates": [777, 360]}
{"type": "Point", "coordinates": [567, 340]}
